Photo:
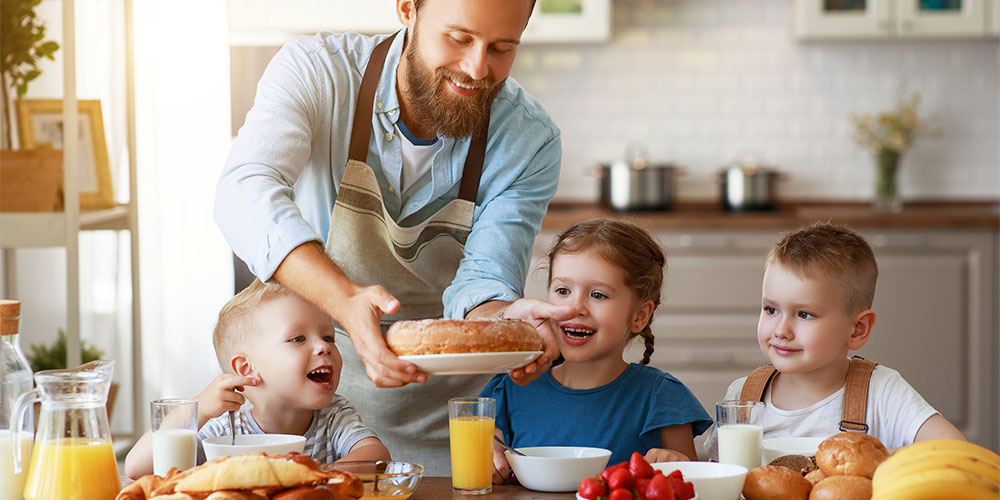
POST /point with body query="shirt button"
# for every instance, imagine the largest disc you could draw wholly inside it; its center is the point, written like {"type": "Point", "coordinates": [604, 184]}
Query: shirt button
{"type": "Point", "coordinates": [379, 105]}
{"type": "Point", "coordinates": [388, 136]}
{"type": "Point", "coordinates": [392, 111]}
{"type": "Point", "coordinates": [391, 190]}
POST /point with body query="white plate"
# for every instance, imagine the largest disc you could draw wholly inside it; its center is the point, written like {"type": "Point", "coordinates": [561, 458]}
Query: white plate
{"type": "Point", "coordinates": [470, 363]}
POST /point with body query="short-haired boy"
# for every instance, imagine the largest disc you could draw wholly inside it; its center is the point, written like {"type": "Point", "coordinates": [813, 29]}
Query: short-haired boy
{"type": "Point", "coordinates": [819, 285]}
{"type": "Point", "coordinates": [278, 349]}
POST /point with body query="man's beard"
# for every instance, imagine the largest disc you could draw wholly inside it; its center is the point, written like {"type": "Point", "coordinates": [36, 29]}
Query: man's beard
{"type": "Point", "coordinates": [438, 108]}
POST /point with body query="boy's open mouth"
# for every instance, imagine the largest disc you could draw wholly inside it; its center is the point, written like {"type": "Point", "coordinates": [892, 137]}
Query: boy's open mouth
{"type": "Point", "coordinates": [322, 376]}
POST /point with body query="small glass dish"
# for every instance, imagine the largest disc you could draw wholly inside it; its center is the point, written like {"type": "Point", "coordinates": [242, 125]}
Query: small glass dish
{"type": "Point", "coordinates": [397, 480]}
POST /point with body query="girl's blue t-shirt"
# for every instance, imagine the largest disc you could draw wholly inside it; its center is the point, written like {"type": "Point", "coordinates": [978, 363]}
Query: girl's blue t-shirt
{"type": "Point", "coordinates": [623, 416]}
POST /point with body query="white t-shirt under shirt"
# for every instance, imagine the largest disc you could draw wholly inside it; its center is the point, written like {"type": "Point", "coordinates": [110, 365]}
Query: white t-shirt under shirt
{"type": "Point", "coordinates": [894, 415]}
{"type": "Point", "coordinates": [331, 435]}
{"type": "Point", "coordinates": [417, 155]}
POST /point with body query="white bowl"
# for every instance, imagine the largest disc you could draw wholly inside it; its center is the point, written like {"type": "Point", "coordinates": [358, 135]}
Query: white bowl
{"type": "Point", "coordinates": [773, 448]}
{"type": "Point", "coordinates": [557, 468]}
{"type": "Point", "coordinates": [220, 446]}
{"type": "Point", "coordinates": [711, 480]}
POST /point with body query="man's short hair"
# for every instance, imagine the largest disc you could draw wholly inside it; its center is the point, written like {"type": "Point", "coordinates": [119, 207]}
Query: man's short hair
{"type": "Point", "coordinates": [828, 250]}
{"type": "Point", "coordinates": [237, 325]}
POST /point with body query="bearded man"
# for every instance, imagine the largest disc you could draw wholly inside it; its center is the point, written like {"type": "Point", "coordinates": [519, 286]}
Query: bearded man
{"type": "Point", "coordinates": [399, 177]}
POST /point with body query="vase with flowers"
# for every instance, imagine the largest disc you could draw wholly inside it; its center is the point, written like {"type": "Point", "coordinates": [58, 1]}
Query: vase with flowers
{"type": "Point", "coordinates": [887, 135]}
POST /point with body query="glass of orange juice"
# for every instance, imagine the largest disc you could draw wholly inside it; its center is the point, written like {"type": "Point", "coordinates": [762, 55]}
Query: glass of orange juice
{"type": "Point", "coordinates": [470, 422]}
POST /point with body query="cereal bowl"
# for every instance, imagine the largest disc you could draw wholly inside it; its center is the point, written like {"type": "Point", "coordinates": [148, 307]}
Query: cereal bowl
{"type": "Point", "coordinates": [773, 448]}
{"type": "Point", "coordinates": [392, 479]}
{"type": "Point", "coordinates": [271, 444]}
{"type": "Point", "coordinates": [556, 468]}
{"type": "Point", "coordinates": [711, 480]}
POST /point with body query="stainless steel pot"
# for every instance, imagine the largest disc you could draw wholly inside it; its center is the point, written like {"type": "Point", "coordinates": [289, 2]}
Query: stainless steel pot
{"type": "Point", "coordinates": [638, 185]}
{"type": "Point", "coordinates": [748, 187]}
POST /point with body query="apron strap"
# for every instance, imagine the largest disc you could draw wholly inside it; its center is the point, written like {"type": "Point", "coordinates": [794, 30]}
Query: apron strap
{"type": "Point", "coordinates": [856, 394]}
{"type": "Point", "coordinates": [756, 383]}
{"type": "Point", "coordinates": [361, 130]}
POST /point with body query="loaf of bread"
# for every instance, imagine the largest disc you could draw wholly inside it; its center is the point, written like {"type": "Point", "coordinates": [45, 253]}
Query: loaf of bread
{"type": "Point", "coordinates": [254, 476]}
{"type": "Point", "coordinates": [850, 454]}
{"type": "Point", "coordinates": [842, 488]}
{"type": "Point", "coordinates": [774, 482]}
{"type": "Point", "coordinates": [446, 336]}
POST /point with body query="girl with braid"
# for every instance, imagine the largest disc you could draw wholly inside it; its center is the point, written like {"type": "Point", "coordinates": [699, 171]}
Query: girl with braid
{"type": "Point", "coordinates": [611, 272]}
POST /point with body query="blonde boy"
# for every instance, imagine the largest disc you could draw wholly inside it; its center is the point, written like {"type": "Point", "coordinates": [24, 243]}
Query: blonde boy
{"type": "Point", "coordinates": [819, 285]}
{"type": "Point", "coordinates": [278, 351]}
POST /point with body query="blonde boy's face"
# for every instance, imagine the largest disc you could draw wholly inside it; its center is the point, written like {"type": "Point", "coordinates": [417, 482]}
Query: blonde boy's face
{"type": "Point", "coordinates": [804, 325]}
{"type": "Point", "coordinates": [294, 355]}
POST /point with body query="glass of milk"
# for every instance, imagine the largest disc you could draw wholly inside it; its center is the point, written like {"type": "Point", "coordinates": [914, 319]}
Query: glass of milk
{"type": "Point", "coordinates": [740, 431]}
{"type": "Point", "coordinates": [175, 434]}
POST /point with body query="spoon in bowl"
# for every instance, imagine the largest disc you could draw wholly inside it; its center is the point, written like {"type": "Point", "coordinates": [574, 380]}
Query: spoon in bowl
{"type": "Point", "coordinates": [232, 426]}
{"type": "Point", "coordinates": [508, 448]}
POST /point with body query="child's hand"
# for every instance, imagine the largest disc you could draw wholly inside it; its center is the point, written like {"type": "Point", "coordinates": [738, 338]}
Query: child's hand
{"type": "Point", "coordinates": [501, 469]}
{"type": "Point", "coordinates": [665, 455]}
{"type": "Point", "coordinates": [221, 396]}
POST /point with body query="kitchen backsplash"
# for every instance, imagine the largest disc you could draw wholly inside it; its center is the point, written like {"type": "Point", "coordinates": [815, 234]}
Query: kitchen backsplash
{"type": "Point", "coordinates": [703, 82]}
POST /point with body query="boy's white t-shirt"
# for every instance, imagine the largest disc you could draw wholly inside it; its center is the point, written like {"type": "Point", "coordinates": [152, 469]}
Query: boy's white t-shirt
{"type": "Point", "coordinates": [894, 415]}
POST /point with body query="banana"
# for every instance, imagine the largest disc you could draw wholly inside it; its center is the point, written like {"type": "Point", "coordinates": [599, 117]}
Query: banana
{"type": "Point", "coordinates": [889, 473]}
{"type": "Point", "coordinates": [939, 484]}
{"type": "Point", "coordinates": [938, 445]}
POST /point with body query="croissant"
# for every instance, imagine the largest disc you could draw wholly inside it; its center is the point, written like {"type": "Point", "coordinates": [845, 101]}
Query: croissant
{"type": "Point", "coordinates": [254, 476]}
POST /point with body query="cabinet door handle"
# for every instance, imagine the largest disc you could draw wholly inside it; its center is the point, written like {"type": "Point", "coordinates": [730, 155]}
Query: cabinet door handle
{"type": "Point", "coordinates": [715, 358]}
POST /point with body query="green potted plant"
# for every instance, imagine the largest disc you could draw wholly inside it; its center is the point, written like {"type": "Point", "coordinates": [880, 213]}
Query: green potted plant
{"type": "Point", "coordinates": [53, 357]}
{"type": "Point", "coordinates": [32, 179]}
{"type": "Point", "coordinates": [22, 46]}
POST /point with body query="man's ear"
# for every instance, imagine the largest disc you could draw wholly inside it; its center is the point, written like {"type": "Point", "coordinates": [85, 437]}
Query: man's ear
{"type": "Point", "coordinates": [863, 323]}
{"type": "Point", "coordinates": [641, 316]}
{"type": "Point", "coordinates": [406, 11]}
{"type": "Point", "coordinates": [241, 366]}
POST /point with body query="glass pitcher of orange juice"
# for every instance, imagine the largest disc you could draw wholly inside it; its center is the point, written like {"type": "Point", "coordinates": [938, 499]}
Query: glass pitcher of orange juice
{"type": "Point", "coordinates": [72, 457]}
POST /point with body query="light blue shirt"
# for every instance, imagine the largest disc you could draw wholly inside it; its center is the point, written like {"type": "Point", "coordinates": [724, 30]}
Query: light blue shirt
{"type": "Point", "coordinates": [281, 178]}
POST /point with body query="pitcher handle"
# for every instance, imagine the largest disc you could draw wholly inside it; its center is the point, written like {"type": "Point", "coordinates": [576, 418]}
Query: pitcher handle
{"type": "Point", "coordinates": [23, 404]}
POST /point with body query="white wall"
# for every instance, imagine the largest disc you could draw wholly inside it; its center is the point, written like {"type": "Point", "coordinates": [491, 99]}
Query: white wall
{"type": "Point", "coordinates": [701, 80]}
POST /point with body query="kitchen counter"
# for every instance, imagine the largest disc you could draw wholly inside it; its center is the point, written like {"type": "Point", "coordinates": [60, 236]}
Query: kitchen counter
{"type": "Point", "coordinates": [707, 215]}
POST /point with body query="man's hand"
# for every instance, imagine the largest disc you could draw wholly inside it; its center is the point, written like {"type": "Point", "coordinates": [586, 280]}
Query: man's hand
{"type": "Point", "coordinates": [545, 317]}
{"type": "Point", "coordinates": [222, 395]}
{"type": "Point", "coordinates": [501, 469]}
{"type": "Point", "coordinates": [360, 314]}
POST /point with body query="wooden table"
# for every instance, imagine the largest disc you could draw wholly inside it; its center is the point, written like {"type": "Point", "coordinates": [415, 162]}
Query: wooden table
{"type": "Point", "coordinates": [436, 488]}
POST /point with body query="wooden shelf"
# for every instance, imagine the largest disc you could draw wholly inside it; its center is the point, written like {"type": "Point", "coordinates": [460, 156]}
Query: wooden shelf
{"type": "Point", "coordinates": [48, 229]}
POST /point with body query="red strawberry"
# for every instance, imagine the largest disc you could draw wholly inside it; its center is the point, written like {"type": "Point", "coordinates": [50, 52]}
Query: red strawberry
{"type": "Point", "coordinates": [659, 489]}
{"type": "Point", "coordinates": [676, 483]}
{"type": "Point", "coordinates": [620, 494]}
{"type": "Point", "coordinates": [686, 492]}
{"type": "Point", "coordinates": [606, 473]}
{"type": "Point", "coordinates": [640, 484]}
{"type": "Point", "coordinates": [591, 488]}
{"type": "Point", "coordinates": [638, 466]}
{"type": "Point", "coordinates": [620, 478]}
{"type": "Point", "coordinates": [677, 474]}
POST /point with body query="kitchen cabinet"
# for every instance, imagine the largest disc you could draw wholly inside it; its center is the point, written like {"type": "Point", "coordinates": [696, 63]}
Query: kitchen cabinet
{"type": "Point", "coordinates": [265, 22]}
{"type": "Point", "coordinates": [907, 19]}
{"type": "Point", "coordinates": [935, 310]}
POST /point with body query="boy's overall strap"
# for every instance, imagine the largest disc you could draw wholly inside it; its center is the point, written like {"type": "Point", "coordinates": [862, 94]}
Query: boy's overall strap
{"type": "Point", "coordinates": [756, 383]}
{"type": "Point", "coordinates": [856, 394]}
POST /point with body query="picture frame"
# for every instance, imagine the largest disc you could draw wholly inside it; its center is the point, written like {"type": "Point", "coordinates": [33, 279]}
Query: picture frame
{"type": "Point", "coordinates": [39, 125]}
{"type": "Point", "coordinates": [568, 21]}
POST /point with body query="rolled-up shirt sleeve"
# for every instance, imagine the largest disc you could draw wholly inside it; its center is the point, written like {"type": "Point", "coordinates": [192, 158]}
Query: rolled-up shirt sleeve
{"type": "Point", "coordinates": [498, 250]}
{"type": "Point", "coordinates": [255, 201]}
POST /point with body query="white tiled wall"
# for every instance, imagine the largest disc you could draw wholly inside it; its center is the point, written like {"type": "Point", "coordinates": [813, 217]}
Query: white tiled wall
{"type": "Point", "coordinates": [702, 81]}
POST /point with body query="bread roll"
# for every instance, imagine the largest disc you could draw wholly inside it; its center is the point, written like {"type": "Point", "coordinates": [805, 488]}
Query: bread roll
{"type": "Point", "coordinates": [446, 336]}
{"type": "Point", "coordinates": [774, 482]}
{"type": "Point", "coordinates": [850, 454]}
{"type": "Point", "coordinates": [815, 477]}
{"type": "Point", "coordinates": [799, 463]}
{"type": "Point", "coordinates": [842, 488]}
